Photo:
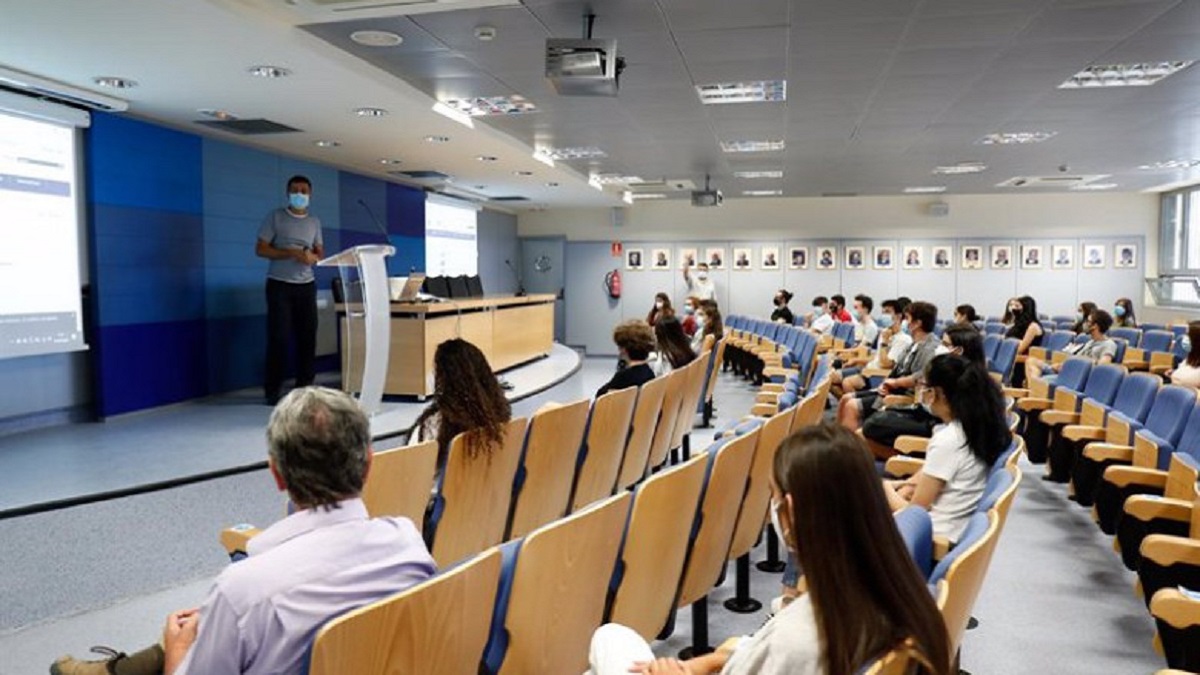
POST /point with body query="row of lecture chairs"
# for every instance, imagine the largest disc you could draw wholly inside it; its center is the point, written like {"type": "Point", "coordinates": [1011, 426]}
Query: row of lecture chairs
{"type": "Point", "coordinates": [1136, 450]}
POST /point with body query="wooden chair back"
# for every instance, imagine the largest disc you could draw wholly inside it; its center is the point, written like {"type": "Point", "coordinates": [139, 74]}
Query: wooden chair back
{"type": "Point", "coordinates": [964, 580]}
{"type": "Point", "coordinates": [707, 344]}
{"type": "Point", "coordinates": [608, 430]}
{"type": "Point", "coordinates": [808, 411]}
{"type": "Point", "coordinates": [899, 661]}
{"type": "Point", "coordinates": [444, 620]}
{"type": "Point", "coordinates": [758, 490]}
{"type": "Point", "coordinates": [1145, 452]}
{"type": "Point", "coordinates": [641, 435]}
{"type": "Point", "coordinates": [677, 381]}
{"type": "Point", "coordinates": [656, 543]}
{"type": "Point", "coordinates": [1092, 414]}
{"type": "Point", "coordinates": [718, 361]}
{"type": "Point", "coordinates": [718, 516]}
{"type": "Point", "coordinates": [548, 468]}
{"type": "Point", "coordinates": [400, 481]}
{"type": "Point", "coordinates": [1181, 479]}
{"type": "Point", "coordinates": [1004, 503]}
{"type": "Point", "coordinates": [476, 493]}
{"type": "Point", "coordinates": [693, 389]}
{"type": "Point", "coordinates": [559, 587]}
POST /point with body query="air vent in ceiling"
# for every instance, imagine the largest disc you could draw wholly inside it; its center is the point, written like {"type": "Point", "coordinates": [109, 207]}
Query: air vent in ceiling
{"type": "Point", "coordinates": [839, 194]}
{"type": "Point", "coordinates": [1060, 181]}
{"type": "Point", "coordinates": [248, 127]}
{"type": "Point", "coordinates": [663, 185]}
{"type": "Point", "coordinates": [422, 175]}
{"type": "Point", "coordinates": [510, 198]}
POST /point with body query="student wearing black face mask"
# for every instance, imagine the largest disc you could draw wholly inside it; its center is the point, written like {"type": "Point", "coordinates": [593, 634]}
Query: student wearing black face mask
{"type": "Point", "coordinates": [782, 313]}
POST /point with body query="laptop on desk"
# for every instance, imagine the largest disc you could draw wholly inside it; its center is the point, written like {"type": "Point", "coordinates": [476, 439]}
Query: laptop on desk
{"type": "Point", "coordinates": [406, 289]}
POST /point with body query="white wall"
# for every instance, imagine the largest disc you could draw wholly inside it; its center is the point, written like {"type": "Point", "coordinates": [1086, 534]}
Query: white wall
{"type": "Point", "coordinates": [859, 221]}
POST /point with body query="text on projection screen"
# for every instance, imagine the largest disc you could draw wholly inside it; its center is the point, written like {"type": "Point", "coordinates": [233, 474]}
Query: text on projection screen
{"type": "Point", "coordinates": [40, 305]}
{"type": "Point", "coordinates": [451, 235]}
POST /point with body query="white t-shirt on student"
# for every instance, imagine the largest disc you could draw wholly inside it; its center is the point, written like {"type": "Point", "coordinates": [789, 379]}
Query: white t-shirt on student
{"type": "Point", "coordinates": [703, 289]}
{"type": "Point", "coordinates": [948, 458]}
{"type": "Point", "coordinates": [896, 348]}
{"type": "Point", "coordinates": [822, 324]}
{"type": "Point", "coordinates": [1186, 376]}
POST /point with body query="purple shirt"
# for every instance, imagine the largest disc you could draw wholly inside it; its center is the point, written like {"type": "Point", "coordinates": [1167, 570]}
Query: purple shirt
{"type": "Point", "coordinates": [263, 612]}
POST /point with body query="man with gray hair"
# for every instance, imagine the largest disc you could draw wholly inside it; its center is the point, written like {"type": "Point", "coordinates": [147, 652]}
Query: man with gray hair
{"type": "Point", "coordinates": [327, 558]}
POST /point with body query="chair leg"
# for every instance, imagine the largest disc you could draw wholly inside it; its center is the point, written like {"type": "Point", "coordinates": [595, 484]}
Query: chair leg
{"type": "Point", "coordinates": [773, 563]}
{"type": "Point", "coordinates": [742, 603]}
{"type": "Point", "coordinates": [700, 645]}
{"type": "Point", "coordinates": [706, 421]}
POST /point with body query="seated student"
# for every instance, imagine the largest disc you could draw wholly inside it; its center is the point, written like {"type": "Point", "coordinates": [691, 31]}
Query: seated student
{"type": "Point", "coordinates": [634, 341]}
{"type": "Point", "coordinates": [921, 317]}
{"type": "Point", "coordinates": [674, 348]}
{"type": "Point", "coordinates": [662, 307]}
{"type": "Point", "coordinates": [708, 322]}
{"type": "Point", "coordinates": [962, 451]}
{"type": "Point", "coordinates": [690, 304]}
{"type": "Point", "coordinates": [325, 559]}
{"type": "Point", "coordinates": [466, 398]}
{"type": "Point", "coordinates": [1187, 374]}
{"type": "Point", "coordinates": [1082, 313]}
{"type": "Point", "coordinates": [1123, 316]}
{"type": "Point", "coordinates": [1099, 348]}
{"type": "Point", "coordinates": [1011, 309]}
{"type": "Point", "coordinates": [782, 313]}
{"type": "Point", "coordinates": [893, 342]}
{"type": "Point", "coordinates": [820, 320]}
{"type": "Point", "coordinates": [866, 331]}
{"type": "Point", "coordinates": [1028, 329]}
{"type": "Point", "coordinates": [828, 508]}
{"type": "Point", "coordinates": [965, 314]}
{"type": "Point", "coordinates": [837, 309]}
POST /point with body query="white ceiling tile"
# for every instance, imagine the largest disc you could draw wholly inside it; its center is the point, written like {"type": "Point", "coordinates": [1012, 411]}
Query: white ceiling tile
{"type": "Point", "coordinates": [689, 15]}
{"type": "Point", "coordinates": [738, 44]}
{"type": "Point", "coordinates": [1110, 21]}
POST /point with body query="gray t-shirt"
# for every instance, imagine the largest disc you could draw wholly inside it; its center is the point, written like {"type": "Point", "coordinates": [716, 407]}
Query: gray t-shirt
{"type": "Point", "coordinates": [1098, 349]}
{"type": "Point", "coordinates": [285, 230]}
{"type": "Point", "coordinates": [788, 644]}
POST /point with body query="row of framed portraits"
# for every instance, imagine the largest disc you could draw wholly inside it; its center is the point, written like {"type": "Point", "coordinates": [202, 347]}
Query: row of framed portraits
{"type": "Point", "coordinates": [970, 257]}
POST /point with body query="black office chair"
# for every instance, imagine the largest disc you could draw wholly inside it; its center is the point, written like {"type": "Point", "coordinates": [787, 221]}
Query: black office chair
{"type": "Point", "coordinates": [437, 287]}
{"type": "Point", "coordinates": [339, 294]}
{"type": "Point", "coordinates": [475, 286]}
{"type": "Point", "coordinates": [458, 287]}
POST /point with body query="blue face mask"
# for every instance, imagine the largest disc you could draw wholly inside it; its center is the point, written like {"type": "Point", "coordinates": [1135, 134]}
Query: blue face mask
{"type": "Point", "coordinates": [298, 200]}
{"type": "Point", "coordinates": [818, 311]}
{"type": "Point", "coordinates": [1119, 310]}
{"type": "Point", "coordinates": [1187, 344]}
{"type": "Point", "coordinates": [884, 321]}
{"type": "Point", "coordinates": [904, 327]}
{"type": "Point", "coordinates": [688, 309]}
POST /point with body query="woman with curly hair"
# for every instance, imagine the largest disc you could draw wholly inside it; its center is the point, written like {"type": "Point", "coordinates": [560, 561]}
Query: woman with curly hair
{"type": "Point", "coordinates": [635, 341]}
{"type": "Point", "coordinates": [466, 398]}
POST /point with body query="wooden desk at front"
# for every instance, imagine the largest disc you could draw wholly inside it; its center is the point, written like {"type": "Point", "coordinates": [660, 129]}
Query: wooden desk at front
{"type": "Point", "coordinates": [508, 330]}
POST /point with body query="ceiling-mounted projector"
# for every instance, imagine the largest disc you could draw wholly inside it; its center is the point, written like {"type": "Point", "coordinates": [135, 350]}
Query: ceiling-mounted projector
{"type": "Point", "coordinates": [707, 198]}
{"type": "Point", "coordinates": [583, 67]}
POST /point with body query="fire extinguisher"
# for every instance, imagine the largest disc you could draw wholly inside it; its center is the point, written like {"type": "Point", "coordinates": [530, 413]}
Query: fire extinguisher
{"type": "Point", "coordinates": [612, 284]}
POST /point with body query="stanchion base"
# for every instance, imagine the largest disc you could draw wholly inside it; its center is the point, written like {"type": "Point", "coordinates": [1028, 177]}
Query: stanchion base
{"type": "Point", "coordinates": [743, 605]}
{"type": "Point", "coordinates": [773, 566]}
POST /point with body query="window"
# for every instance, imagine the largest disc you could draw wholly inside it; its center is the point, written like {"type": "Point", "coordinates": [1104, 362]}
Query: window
{"type": "Point", "coordinates": [1179, 250]}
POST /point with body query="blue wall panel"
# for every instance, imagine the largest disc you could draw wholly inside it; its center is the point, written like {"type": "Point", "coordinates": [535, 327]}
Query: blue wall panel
{"type": "Point", "coordinates": [353, 192]}
{"type": "Point", "coordinates": [236, 346]}
{"type": "Point", "coordinates": [152, 364]}
{"type": "Point", "coordinates": [132, 163]}
{"type": "Point", "coordinates": [406, 225]}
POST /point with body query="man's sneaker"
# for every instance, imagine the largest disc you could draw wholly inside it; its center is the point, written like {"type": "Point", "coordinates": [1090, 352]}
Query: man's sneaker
{"type": "Point", "coordinates": [146, 662]}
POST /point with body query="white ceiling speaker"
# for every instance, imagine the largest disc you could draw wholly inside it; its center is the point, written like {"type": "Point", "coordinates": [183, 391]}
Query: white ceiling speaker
{"type": "Point", "coordinates": [939, 209]}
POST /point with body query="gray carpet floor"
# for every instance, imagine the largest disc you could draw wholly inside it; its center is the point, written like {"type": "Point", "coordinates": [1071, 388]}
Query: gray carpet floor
{"type": "Point", "coordinates": [1056, 598]}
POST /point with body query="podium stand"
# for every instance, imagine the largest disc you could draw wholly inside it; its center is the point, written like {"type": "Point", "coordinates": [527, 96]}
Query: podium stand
{"type": "Point", "coordinates": [367, 321]}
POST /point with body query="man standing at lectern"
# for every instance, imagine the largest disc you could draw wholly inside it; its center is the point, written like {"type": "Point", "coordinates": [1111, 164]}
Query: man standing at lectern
{"type": "Point", "coordinates": [291, 239]}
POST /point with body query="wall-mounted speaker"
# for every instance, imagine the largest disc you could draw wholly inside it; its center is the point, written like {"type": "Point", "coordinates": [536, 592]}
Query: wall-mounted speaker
{"type": "Point", "coordinates": [939, 209]}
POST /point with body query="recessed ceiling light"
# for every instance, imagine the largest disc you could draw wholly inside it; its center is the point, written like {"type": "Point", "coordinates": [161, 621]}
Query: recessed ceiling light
{"type": "Point", "coordinates": [486, 158]}
{"type": "Point", "coordinates": [376, 38]}
{"type": "Point", "coordinates": [1171, 165]}
{"type": "Point", "coordinates": [485, 33]}
{"type": "Point", "coordinates": [222, 115]}
{"type": "Point", "coordinates": [568, 154]}
{"type": "Point", "coordinates": [268, 71]}
{"type": "Point", "coordinates": [370, 112]}
{"type": "Point", "coordinates": [482, 106]}
{"type": "Point", "coordinates": [326, 144]}
{"type": "Point", "coordinates": [523, 174]}
{"type": "Point", "coordinates": [925, 190]}
{"type": "Point", "coordinates": [389, 162]}
{"type": "Point", "coordinates": [960, 168]}
{"type": "Point", "coordinates": [551, 184]}
{"type": "Point", "coordinates": [752, 146]}
{"type": "Point", "coordinates": [614, 179]}
{"type": "Point", "coordinates": [115, 82]}
{"type": "Point", "coordinates": [1091, 187]}
{"type": "Point", "coordinates": [437, 139]}
{"type": "Point", "coordinates": [762, 91]}
{"type": "Point", "coordinates": [762, 193]}
{"type": "Point", "coordinates": [638, 196]}
{"type": "Point", "coordinates": [758, 174]}
{"type": "Point", "coordinates": [1017, 138]}
{"type": "Point", "coordinates": [1123, 75]}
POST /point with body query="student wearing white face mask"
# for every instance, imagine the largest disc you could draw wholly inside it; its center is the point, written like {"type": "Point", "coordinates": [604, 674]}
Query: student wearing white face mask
{"type": "Point", "coordinates": [821, 320]}
{"type": "Point", "coordinates": [699, 284]}
{"type": "Point", "coordinates": [662, 307]}
{"type": "Point", "coordinates": [708, 322]}
{"type": "Point", "coordinates": [1188, 372]}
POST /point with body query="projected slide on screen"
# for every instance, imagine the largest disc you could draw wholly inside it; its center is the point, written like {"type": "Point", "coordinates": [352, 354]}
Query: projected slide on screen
{"type": "Point", "coordinates": [39, 225]}
{"type": "Point", "coordinates": [451, 247]}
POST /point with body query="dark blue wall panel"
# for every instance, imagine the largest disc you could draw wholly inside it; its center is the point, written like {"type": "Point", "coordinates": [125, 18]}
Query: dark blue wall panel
{"type": "Point", "coordinates": [151, 364]}
{"type": "Point", "coordinates": [406, 226]}
{"type": "Point", "coordinates": [132, 163]}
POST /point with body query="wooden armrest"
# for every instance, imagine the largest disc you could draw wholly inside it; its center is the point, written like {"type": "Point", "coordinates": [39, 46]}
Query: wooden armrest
{"type": "Point", "coordinates": [897, 399]}
{"type": "Point", "coordinates": [909, 444]}
{"type": "Point", "coordinates": [875, 372]}
{"type": "Point", "coordinates": [1038, 353]}
{"type": "Point", "coordinates": [941, 546]}
{"type": "Point", "coordinates": [1148, 507]}
{"type": "Point", "coordinates": [767, 397]}
{"type": "Point", "coordinates": [1030, 403]}
{"type": "Point", "coordinates": [1014, 392]}
{"type": "Point", "coordinates": [1135, 366]}
{"type": "Point", "coordinates": [903, 467]}
{"type": "Point", "coordinates": [771, 387]}
{"type": "Point", "coordinates": [1104, 452]}
{"type": "Point", "coordinates": [235, 538]}
{"type": "Point", "coordinates": [1076, 432]}
{"type": "Point", "coordinates": [1175, 609]}
{"type": "Point", "coordinates": [1165, 549]}
{"type": "Point", "coordinates": [778, 370]}
{"type": "Point", "coordinates": [1058, 417]}
{"type": "Point", "coordinates": [764, 409]}
{"type": "Point", "coordinates": [1159, 370]}
{"type": "Point", "coordinates": [1125, 476]}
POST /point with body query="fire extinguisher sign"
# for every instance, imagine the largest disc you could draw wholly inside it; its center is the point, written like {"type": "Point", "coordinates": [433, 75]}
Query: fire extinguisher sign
{"type": "Point", "coordinates": [617, 249]}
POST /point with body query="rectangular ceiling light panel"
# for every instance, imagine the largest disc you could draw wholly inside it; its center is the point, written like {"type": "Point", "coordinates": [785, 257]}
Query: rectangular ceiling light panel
{"type": "Point", "coordinates": [1124, 75]}
{"type": "Point", "coordinates": [568, 154]}
{"type": "Point", "coordinates": [752, 146]}
{"type": "Point", "coordinates": [960, 168]}
{"type": "Point", "coordinates": [483, 106]}
{"type": "Point", "coordinates": [757, 174]}
{"type": "Point", "coordinates": [1017, 138]}
{"type": "Point", "coordinates": [762, 91]}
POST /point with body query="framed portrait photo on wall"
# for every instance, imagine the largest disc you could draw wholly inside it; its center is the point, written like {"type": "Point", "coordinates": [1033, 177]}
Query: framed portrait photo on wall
{"type": "Point", "coordinates": [826, 258]}
{"type": "Point", "coordinates": [769, 259]}
{"type": "Point", "coordinates": [855, 257]}
{"type": "Point", "coordinates": [741, 259]}
{"type": "Point", "coordinates": [687, 258]}
{"type": "Point", "coordinates": [912, 258]}
{"type": "Point", "coordinates": [715, 258]}
{"type": "Point", "coordinates": [660, 259]}
{"type": "Point", "coordinates": [1124, 256]}
{"type": "Point", "coordinates": [633, 258]}
{"type": "Point", "coordinates": [798, 258]}
{"type": "Point", "coordinates": [882, 258]}
{"type": "Point", "coordinates": [941, 258]}
{"type": "Point", "coordinates": [1002, 257]}
{"type": "Point", "coordinates": [1093, 256]}
{"type": "Point", "coordinates": [1032, 256]}
{"type": "Point", "coordinates": [972, 258]}
{"type": "Point", "coordinates": [1062, 257]}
